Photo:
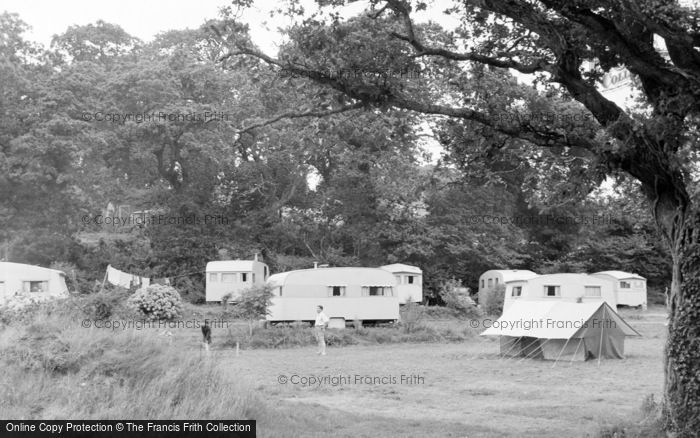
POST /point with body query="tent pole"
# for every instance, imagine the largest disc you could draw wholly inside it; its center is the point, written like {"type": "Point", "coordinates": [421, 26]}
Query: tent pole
{"type": "Point", "coordinates": [583, 336]}
{"type": "Point", "coordinates": [561, 352]}
{"type": "Point", "coordinates": [602, 328]}
{"type": "Point", "coordinates": [577, 347]}
{"type": "Point", "coordinates": [528, 346]}
{"type": "Point", "coordinates": [515, 343]}
{"type": "Point", "coordinates": [535, 350]}
{"type": "Point", "coordinates": [104, 280]}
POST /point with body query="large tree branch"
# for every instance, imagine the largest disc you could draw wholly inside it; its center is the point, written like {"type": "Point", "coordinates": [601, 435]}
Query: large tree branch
{"type": "Point", "coordinates": [540, 65]}
{"type": "Point", "coordinates": [298, 115]}
{"type": "Point", "coordinates": [566, 71]}
{"type": "Point", "coordinates": [411, 38]}
{"type": "Point", "coordinates": [669, 28]}
{"type": "Point", "coordinates": [522, 129]}
{"type": "Point", "coordinates": [636, 49]}
{"type": "Point", "coordinates": [642, 160]}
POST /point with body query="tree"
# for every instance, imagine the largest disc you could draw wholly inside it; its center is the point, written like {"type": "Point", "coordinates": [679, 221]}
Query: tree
{"type": "Point", "coordinates": [253, 304]}
{"type": "Point", "coordinates": [554, 40]}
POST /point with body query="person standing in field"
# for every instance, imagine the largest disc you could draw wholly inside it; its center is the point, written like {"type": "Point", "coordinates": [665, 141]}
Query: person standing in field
{"type": "Point", "coordinates": [206, 335]}
{"type": "Point", "coordinates": [320, 330]}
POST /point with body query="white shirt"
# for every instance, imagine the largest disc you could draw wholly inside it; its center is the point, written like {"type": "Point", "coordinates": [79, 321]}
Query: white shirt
{"type": "Point", "coordinates": [321, 319]}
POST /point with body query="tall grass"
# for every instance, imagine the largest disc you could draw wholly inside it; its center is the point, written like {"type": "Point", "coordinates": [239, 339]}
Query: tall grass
{"type": "Point", "coordinates": [55, 369]}
{"type": "Point", "coordinates": [297, 335]}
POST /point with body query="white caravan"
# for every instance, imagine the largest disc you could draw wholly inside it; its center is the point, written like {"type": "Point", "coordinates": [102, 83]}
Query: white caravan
{"type": "Point", "coordinates": [630, 289]}
{"type": "Point", "coordinates": [233, 276]}
{"type": "Point", "coordinates": [409, 282]}
{"type": "Point", "coordinates": [346, 294]}
{"type": "Point", "coordinates": [561, 287]}
{"type": "Point", "coordinates": [31, 281]}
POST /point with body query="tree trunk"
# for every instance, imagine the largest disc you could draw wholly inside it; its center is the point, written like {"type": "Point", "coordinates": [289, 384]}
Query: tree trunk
{"type": "Point", "coordinates": [682, 384]}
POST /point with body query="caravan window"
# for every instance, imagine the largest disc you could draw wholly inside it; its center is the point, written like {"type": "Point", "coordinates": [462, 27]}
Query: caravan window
{"type": "Point", "coordinates": [496, 281]}
{"type": "Point", "coordinates": [336, 291]}
{"type": "Point", "coordinates": [36, 286]}
{"type": "Point", "coordinates": [376, 291]}
{"type": "Point", "coordinates": [213, 277]}
{"type": "Point", "coordinates": [244, 277]}
{"type": "Point", "coordinates": [517, 291]}
{"type": "Point", "coordinates": [591, 291]}
{"type": "Point", "coordinates": [228, 278]}
{"type": "Point", "coordinates": [410, 279]}
{"type": "Point", "coordinates": [552, 291]}
{"type": "Point", "coordinates": [624, 285]}
{"type": "Point", "coordinates": [264, 272]}
{"type": "Point", "coordinates": [482, 283]}
{"type": "Point", "coordinates": [398, 279]}
{"type": "Point", "coordinates": [253, 277]}
{"type": "Point", "coordinates": [490, 282]}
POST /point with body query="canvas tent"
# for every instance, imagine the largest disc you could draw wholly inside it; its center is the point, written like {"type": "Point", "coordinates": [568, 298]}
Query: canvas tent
{"type": "Point", "coordinates": [561, 331]}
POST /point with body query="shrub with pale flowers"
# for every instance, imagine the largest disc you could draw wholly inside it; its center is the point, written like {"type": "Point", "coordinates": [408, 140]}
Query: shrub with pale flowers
{"type": "Point", "coordinates": [156, 302]}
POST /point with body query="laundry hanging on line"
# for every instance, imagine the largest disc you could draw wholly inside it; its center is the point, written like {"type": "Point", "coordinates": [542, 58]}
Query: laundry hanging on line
{"type": "Point", "coordinates": [126, 280]}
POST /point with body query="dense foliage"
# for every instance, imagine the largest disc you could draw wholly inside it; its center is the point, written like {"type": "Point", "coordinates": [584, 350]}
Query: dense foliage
{"type": "Point", "coordinates": [352, 188]}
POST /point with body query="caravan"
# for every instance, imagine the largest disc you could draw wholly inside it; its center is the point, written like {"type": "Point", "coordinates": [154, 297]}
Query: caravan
{"type": "Point", "coordinates": [31, 281]}
{"type": "Point", "coordinates": [409, 282]}
{"type": "Point", "coordinates": [560, 287]}
{"type": "Point", "coordinates": [233, 276]}
{"type": "Point", "coordinates": [491, 279]}
{"type": "Point", "coordinates": [630, 289]}
{"type": "Point", "coordinates": [346, 294]}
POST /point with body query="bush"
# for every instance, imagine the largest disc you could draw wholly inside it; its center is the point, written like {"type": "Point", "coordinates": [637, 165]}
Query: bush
{"type": "Point", "coordinates": [493, 300]}
{"type": "Point", "coordinates": [440, 312]}
{"type": "Point", "coordinates": [411, 318]}
{"type": "Point", "coordinates": [457, 298]}
{"type": "Point", "coordinates": [191, 289]}
{"type": "Point", "coordinates": [156, 302]}
{"type": "Point", "coordinates": [340, 337]}
{"type": "Point", "coordinates": [656, 296]}
{"type": "Point", "coordinates": [102, 305]}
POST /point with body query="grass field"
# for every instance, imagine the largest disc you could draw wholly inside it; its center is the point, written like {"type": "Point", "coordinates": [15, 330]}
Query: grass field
{"type": "Point", "coordinates": [458, 389]}
{"type": "Point", "coordinates": [467, 389]}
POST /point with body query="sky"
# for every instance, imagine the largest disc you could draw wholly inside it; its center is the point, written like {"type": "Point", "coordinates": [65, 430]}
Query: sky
{"type": "Point", "coordinates": [142, 19]}
{"type": "Point", "coordinates": [139, 18]}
